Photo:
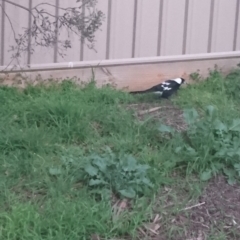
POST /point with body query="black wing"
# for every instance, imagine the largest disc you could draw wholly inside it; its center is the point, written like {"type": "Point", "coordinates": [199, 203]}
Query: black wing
{"type": "Point", "coordinates": [161, 87]}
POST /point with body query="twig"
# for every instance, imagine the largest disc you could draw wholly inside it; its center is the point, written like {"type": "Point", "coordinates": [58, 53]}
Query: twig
{"type": "Point", "coordinates": [149, 110]}
{"type": "Point", "coordinates": [151, 230]}
{"type": "Point", "coordinates": [44, 31]}
{"type": "Point", "coordinates": [200, 224]}
{"type": "Point", "coordinates": [157, 218]}
{"type": "Point", "coordinates": [197, 205]}
{"type": "Point", "coordinates": [11, 25]}
{"type": "Point", "coordinates": [17, 5]}
{"type": "Point", "coordinates": [140, 229]}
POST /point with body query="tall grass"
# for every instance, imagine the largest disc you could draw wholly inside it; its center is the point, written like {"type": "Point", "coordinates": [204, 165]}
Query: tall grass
{"type": "Point", "coordinates": [39, 128]}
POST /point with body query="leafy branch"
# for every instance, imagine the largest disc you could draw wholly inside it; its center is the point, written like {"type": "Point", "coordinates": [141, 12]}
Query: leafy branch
{"type": "Point", "coordinates": [83, 20]}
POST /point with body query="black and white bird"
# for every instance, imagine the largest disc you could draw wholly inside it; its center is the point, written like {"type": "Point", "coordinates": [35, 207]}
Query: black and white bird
{"type": "Point", "coordinates": [165, 89]}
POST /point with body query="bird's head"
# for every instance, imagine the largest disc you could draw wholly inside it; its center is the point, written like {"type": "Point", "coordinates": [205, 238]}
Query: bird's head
{"type": "Point", "coordinates": [182, 80]}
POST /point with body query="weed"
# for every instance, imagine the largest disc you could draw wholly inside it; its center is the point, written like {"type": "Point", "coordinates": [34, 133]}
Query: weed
{"type": "Point", "coordinates": [107, 173]}
{"type": "Point", "coordinates": [232, 84]}
{"type": "Point", "coordinates": [123, 174]}
{"type": "Point", "coordinates": [211, 145]}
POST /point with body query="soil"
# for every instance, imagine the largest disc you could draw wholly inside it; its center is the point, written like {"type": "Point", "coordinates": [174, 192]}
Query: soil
{"type": "Point", "coordinates": [166, 113]}
{"type": "Point", "coordinates": [215, 214]}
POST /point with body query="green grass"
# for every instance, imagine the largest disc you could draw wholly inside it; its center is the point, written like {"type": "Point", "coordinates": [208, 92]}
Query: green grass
{"type": "Point", "coordinates": [43, 130]}
{"type": "Point", "coordinates": [50, 186]}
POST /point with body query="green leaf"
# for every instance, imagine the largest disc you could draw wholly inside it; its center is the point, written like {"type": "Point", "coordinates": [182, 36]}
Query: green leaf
{"type": "Point", "coordinates": [92, 171]}
{"type": "Point", "coordinates": [147, 182]}
{"type": "Point", "coordinates": [205, 176]}
{"type": "Point", "coordinates": [165, 129]}
{"type": "Point", "coordinates": [169, 164]}
{"type": "Point", "coordinates": [191, 151]}
{"type": "Point", "coordinates": [178, 149]}
{"type": "Point", "coordinates": [129, 164]}
{"type": "Point", "coordinates": [190, 115]}
{"type": "Point", "coordinates": [231, 180]}
{"type": "Point", "coordinates": [237, 166]}
{"type": "Point", "coordinates": [95, 182]}
{"type": "Point", "coordinates": [216, 167]}
{"type": "Point", "coordinates": [231, 173]}
{"type": "Point", "coordinates": [235, 125]}
{"type": "Point", "coordinates": [55, 171]}
{"type": "Point", "coordinates": [128, 193]}
{"type": "Point", "coordinates": [221, 153]}
{"type": "Point", "coordinates": [230, 153]}
{"type": "Point", "coordinates": [100, 163]}
{"type": "Point", "coordinates": [210, 111]}
{"type": "Point", "coordinates": [144, 167]}
{"type": "Point", "coordinates": [218, 125]}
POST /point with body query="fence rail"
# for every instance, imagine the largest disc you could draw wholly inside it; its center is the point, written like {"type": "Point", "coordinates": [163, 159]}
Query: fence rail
{"type": "Point", "coordinates": [135, 29]}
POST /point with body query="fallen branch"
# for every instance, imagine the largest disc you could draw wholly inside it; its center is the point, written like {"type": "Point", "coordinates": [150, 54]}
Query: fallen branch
{"type": "Point", "coordinates": [197, 205]}
{"type": "Point", "coordinates": [149, 110]}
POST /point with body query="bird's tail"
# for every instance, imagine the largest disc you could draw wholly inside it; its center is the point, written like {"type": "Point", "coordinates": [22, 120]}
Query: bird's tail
{"type": "Point", "coordinates": [150, 90]}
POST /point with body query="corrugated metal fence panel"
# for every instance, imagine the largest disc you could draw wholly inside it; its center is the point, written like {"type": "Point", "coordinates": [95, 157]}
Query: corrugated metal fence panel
{"type": "Point", "coordinates": [1, 36]}
{"type": "Point", "coordinates": [223, 29]}
{"type": "Point", "coordinates": [136, 28]}
{"type": "Point", "coordinates": [236, 41]}
{"type": "Point", "coordinates": [121, 32]}
{"type": "Point", "coordinates": [173, 27]}
{"type": "Point", "coordinates": [198, 26]}
{"type": "Point", "coordinates": [147, 27]}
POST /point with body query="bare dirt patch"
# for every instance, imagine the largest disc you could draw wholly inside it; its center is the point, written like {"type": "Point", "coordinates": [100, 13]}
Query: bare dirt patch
{"type": "Point", "coordinates": [165, 112]}
{"type": "Point", "coordinates": [214, 215]}
{"type": "Point", "coordinates": [220, 215]}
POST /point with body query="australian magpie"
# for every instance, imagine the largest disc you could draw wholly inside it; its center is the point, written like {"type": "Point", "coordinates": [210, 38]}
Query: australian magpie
{"type": "Point", "coordinates": [165, 89]}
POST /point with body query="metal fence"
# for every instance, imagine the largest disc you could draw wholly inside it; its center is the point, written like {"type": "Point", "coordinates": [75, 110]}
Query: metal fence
{"type": "Point", "coordinates": [136, 28]}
